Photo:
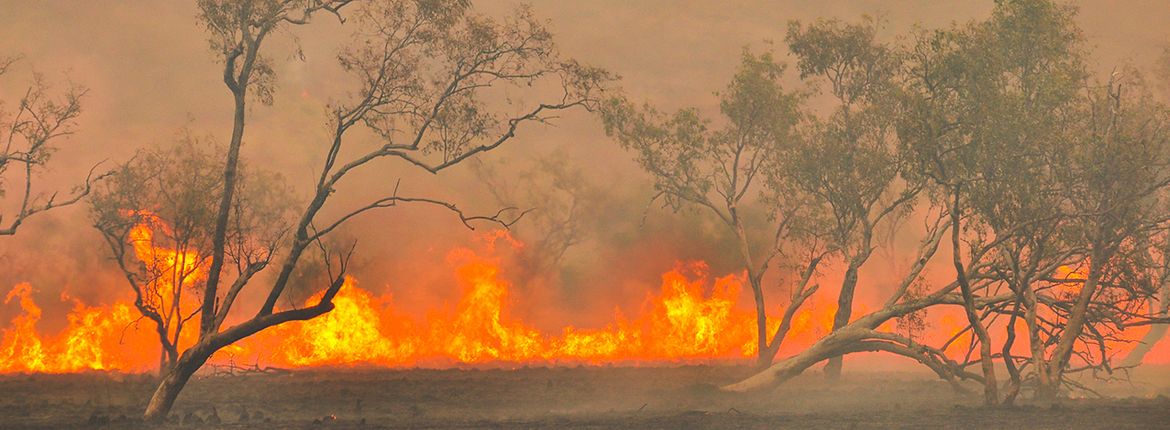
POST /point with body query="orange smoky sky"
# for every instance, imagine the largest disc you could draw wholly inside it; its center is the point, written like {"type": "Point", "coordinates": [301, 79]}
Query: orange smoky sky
{"type": "Point", "coordinates": [150, 74]}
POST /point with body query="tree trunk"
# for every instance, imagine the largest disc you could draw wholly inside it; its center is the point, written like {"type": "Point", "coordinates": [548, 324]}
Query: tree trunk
{"type": "Point", "coordinates": [195, 356]}
{"type": "Point", "coordinates": [756, 279]}
{"type": "Point", "coordinates": [1157, 331]}
{"type": "Point", "coordinates": [990, 383]}
{"type": "Point", "coordinates": [782, 331]}
{"type": "Point", "coordinates": [163, 365]}
{"type": "Point", "coordinates": [848, 339]}
{"type": "Point", "coordinates": [1009, 361]}
{"type": "Point", "coordinates": [1039, 362]}
{"type": "Point", "coordinates": [845, 341]}
{"type": "Point", "coordinates": [1135, 357]}
{"type": "Point", "coordinates": [1077, 317]}
{"type": "Point", "coordinates": [790, 367]}
{"type": "Point", "coordinates": [764, 356]}
{"type": "Point", "coordinates": [219, 239]}
{"type": "Point", "coordinates": [172, 384]}
{"type": "Point", "coordinates": [841, 318]}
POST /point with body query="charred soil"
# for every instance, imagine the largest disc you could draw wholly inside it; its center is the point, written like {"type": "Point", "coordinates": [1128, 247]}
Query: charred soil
{"type": "Point", "coordinates": [578, 397]}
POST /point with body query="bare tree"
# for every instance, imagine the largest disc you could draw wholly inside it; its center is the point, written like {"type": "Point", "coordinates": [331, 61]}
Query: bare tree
{"type": "Point", "coordinates": [28, 135]}
{"type": "Point", "coordinates": [426, 70]}
{"type": "Point", "coordinates": [561, 202]}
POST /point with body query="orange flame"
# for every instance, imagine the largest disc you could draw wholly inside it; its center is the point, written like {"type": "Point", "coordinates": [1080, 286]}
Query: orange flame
{"type": "Point", "coordinates": [692, 318]}
{"type": "Point", "coordinates": [89, 342]}
{"type": "Point", "coordinates": [683, 323]}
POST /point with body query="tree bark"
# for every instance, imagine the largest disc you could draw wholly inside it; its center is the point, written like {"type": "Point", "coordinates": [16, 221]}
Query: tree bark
{"type": "Point", "coordinates": [845, 341]}
{"type": "Point", "coordinates": [844, 312]}
{"type": "Point", "coordinates": [778, 373]}
{"type": "Point", "coordinates": [990, 383]}
{"type": "Point", "coordinates": [1075, 325]}
{"type": "Point", "coordinates": [765, 355]}
{"type": "Point", "coordinates": [756, 279]}
{"type": "Point", "coordinates": [1008, 360]}
{"type": "Point", "coordinates": [172, 384]}
{"type": "Point", "coordinates": [219, 238]}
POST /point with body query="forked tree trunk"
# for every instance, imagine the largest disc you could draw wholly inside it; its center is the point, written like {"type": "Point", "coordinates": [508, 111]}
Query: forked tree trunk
{"type": "Point", "coordinates": [195, 356]}
{"type": "Point", "coordinates": [773, 347]}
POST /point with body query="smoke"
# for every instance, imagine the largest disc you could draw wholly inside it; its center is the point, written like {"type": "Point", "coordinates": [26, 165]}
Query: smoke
{"type": "Point", "coordinates": [151, 73]}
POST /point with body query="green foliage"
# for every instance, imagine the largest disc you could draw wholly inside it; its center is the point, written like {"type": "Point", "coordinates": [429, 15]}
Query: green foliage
{"type": "Point", "coordinates": [849, 161]}
{"type": "Point", "coordinates": [716, 169]}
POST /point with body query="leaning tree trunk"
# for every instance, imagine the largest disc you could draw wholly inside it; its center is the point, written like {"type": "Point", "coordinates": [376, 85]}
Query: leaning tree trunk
{"type": "Point", "coordinates": [1156, 333]}
{"type": "Point", "coordinates": [195, 356]}
{"type": "Point", "coordinates": [1074, 326]}
{"type": "Point", "coordinates": [1135, 357]}
{"type": "Point", "coordinates": [828, 347]}
{"type": "Point", "coordinates": [785, 325]}
{"type": "Point", "coordinates": [172, 384]}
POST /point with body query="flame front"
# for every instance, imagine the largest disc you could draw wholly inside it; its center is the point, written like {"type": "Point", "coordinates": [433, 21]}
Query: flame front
{"type": "Point", "coordinates": [683, 323]}
{"type": "Point", "coordinates": [89, 342]}
{"type": "Point", "coordinates": [691, 318]}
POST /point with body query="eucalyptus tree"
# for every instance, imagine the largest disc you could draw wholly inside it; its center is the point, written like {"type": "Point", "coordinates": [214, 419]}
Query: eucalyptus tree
{"type": "Point", "coordinates": [728, 170]}
{"type": "Point", "coordinates": [989, 103]}
{"type": "Point", "coordinates": [1159, 306]}
{"type": "Point", "coordinates": [429, 78]}
{"type": "Point", "coordinates": [849, 162]}
{"type": "Point", "coordinates": [964, 102]}
{"type": "Point", "coordinates": [1116, 175]}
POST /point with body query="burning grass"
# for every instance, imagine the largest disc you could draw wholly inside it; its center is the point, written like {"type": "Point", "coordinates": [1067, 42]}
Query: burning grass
{"type": "Point", "coordinates": [692, 318]}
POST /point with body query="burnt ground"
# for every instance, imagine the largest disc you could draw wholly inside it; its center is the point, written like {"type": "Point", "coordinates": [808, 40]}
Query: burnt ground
{"type": "Point", "coordinates": [584, 397]}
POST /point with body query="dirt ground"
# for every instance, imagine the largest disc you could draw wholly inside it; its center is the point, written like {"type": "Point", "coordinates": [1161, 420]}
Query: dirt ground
{"type": "Point", "coordinates": [581, 397]}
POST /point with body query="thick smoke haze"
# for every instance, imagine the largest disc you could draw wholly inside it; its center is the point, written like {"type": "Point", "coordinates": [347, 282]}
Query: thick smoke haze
{"type": "Point", "coordinates": [151, 74]}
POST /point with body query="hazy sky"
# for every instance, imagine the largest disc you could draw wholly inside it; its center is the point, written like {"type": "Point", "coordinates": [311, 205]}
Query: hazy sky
{"type": "Point", "coordinates": [151, 73]}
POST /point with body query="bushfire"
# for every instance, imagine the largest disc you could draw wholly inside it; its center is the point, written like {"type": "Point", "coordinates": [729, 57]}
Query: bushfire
{"type": "Point", "coordinates": [692, 318]}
